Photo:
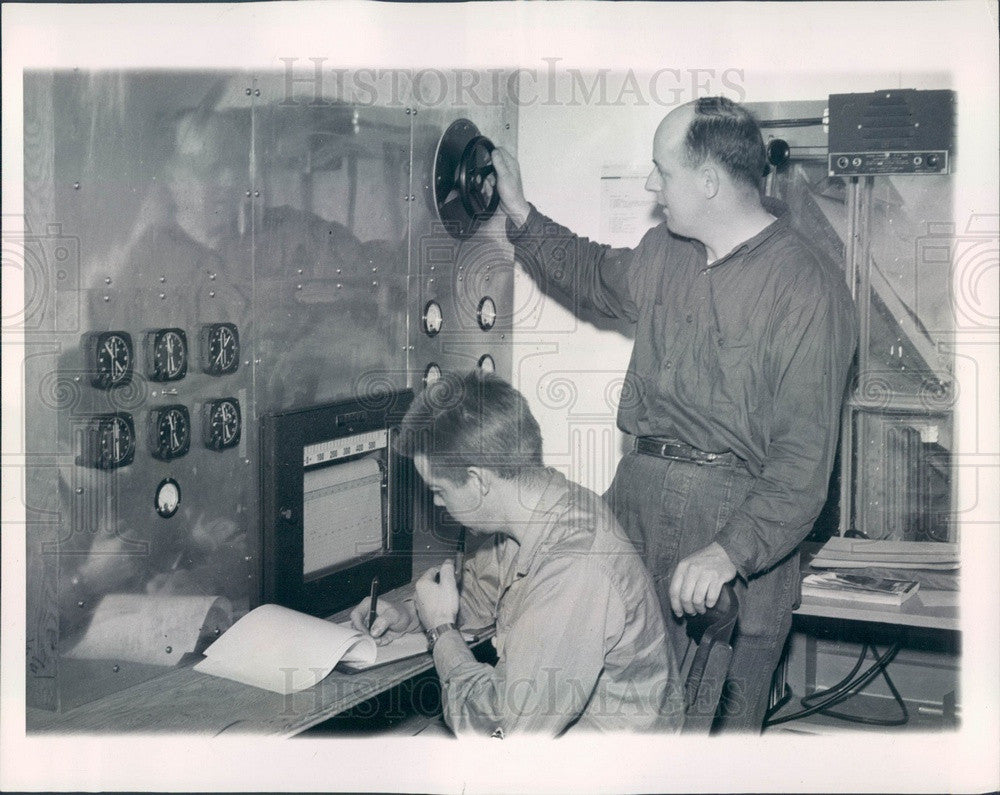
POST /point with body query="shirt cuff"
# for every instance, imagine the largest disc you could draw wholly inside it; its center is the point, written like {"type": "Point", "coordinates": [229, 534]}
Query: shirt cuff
{"type": "Point", "coordinates": [514, 232]}
{"type": "Point", "coordinates": [734, 543]}
{"type": "Point", "coordinates": [450, 652]}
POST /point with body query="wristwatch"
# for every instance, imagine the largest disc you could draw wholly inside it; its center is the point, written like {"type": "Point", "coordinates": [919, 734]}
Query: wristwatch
{"type": "Point", "coordinates": [437, 632]}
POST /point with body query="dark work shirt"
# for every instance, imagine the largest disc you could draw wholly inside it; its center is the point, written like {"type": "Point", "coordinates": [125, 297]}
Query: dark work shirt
{"type": "Point", "coordinates": [749, 354]}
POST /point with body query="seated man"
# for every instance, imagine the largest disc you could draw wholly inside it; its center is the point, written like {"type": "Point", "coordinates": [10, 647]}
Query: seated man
{"type": "Point", "coordinates": [579, 635]}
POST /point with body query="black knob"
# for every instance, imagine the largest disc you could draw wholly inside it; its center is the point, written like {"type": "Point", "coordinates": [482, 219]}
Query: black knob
{"type": "Point", "coordinates": [778, 152]}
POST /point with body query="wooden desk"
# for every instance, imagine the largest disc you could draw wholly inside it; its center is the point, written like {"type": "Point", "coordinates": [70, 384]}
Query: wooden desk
{"type": "Point", "coordinates": [186, 701]}
{"type": "Point", "coordinates": [930, 609]}
{"type": "Point", "coordinates": [906, 624]}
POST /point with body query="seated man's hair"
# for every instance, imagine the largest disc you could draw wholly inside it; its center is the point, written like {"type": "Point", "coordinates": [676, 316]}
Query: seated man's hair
{"type": "Point", "coordinates": [727, 133]}
{"type": "Point", "coordinates": [478, 420]}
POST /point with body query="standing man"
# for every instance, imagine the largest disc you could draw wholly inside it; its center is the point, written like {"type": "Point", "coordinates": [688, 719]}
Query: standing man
{"type": "Point", "coordinates": [743, 341]}
{"type": "Point", "coordinates": [579, 635]}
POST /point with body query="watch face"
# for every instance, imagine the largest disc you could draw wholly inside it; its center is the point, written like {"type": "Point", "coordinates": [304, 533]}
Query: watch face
{"type": "Point", "coordinates": [431, 374]}
{"type": "Point", "coordinates": [110, 357]}
{"type": "Point", "coordinates": [169, 431]}
{"type": "Point", "coordinates": [487, 313]}
{"type": "Point", "coordinates": [108, 442]}
{"type": "Point", "coordinates": [486, 364]}
{"type": "Point", "coordinates": [166, 354]}
{"type": "Point", "coordinates": [222, 423]}
{"type": "Point", "coordinates": [220, 348]}
{"type": "Point", "coordinates": [433, 320]}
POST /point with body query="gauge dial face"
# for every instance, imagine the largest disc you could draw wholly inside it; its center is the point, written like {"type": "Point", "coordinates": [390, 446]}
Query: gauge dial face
{"type": "Point", "coordinates": [166, 354]}
{"type": "Point", "coordinates": [220, 348]}
{"type": "Point", "coordinates": [433, 319]}
{"type": "Point", "coordinates": [487, 313]}
{"type": "Point", "coordinates": [431, 374]}
{"type": "Point", "coordinates": [486, 363]}
{"type": "Point", "coordinates": [110, 356]}
{"type": "Point", "coordinates": [108, 441]}
{"type": "Point", "coordinates": [168, 497]}
{"type": "Point", "coordinates": [222, 423]}
{"type": "Point", "coordinates": [169, 432]}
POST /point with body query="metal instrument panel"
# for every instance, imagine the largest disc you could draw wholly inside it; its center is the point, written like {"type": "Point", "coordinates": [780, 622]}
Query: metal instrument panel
{"type": "Point", "coordinates": [260, 254]}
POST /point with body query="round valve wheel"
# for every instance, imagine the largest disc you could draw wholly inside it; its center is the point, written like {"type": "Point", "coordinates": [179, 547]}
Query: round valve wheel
{"type": "Point", "coordinates": [465, 192]}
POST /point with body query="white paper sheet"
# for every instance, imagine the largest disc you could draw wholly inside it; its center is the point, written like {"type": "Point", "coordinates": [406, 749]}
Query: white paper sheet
{"type": "Point", "coordinates": [282, 650]}
{"type": "Point", "coordinates": [409, 645]}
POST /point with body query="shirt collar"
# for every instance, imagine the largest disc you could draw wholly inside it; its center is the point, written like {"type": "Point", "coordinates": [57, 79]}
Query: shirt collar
{"type": "Point", "coordinates": [551, 499]}
{"type": "Point", "coordinates": [775, 207]}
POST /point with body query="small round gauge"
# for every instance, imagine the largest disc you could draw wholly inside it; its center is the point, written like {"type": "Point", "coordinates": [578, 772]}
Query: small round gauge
{"type": "Point", "coordinates": [222, 423]}
{"type": "Point", "coordinates": [431, 374]}
{"type": "Point", "coordinates": [220, 348]}
{"type": "Point", "coordinates": [486, 314]}
{"type": "Point", "coordinates": [166, 354]}
{"type": "Point", "coordinates": [168, 497]}
{"type": "Point", "coordinates": [486, 364]}
{"type": "Point", "coordinates": [433, 319]}
{"type": "Point", "coordinates": [110, 358]}
{"type": "Point", "coordinates": [108, 441]}
{"type": "Point", "coordinates": [169, 431]}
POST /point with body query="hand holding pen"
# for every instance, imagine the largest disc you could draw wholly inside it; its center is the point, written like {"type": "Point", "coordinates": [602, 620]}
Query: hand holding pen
{"type": "Point", "coordinates": [372, 605]}
{"type": "Point", "coordinates": [382, 619]}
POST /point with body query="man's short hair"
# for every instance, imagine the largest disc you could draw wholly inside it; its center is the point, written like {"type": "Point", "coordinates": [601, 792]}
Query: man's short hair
{"type": "Point", "coordinates": [477, 419]}
{"type": "Point", "coordinates": [729, 134]}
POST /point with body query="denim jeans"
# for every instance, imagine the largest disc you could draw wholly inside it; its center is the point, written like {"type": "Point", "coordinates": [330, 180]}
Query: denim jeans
{"type": "Point", "coordinates": [670, 509]}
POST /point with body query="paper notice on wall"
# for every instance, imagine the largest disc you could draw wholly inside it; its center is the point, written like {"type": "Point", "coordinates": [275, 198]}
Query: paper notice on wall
{"type": "Point", "coordinates": [342, 514]}
{"type": "Point", "coordinates": [158, 630]}
{"type": "Point", "coordinates": [283, 650]}
{"type": "Point", "coordinates": [627, 208]}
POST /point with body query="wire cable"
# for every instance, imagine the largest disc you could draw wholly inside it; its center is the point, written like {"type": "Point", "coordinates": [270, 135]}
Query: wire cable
{"type": "Point", "coordinates": [848, 687]}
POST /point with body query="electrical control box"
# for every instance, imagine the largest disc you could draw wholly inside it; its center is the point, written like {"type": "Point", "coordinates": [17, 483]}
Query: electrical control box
{"type": "Point", "coordinates": [896, 131]}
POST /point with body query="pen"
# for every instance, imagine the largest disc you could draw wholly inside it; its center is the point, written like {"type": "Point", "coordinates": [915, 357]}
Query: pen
{"type": "Point", "coordinates": [373, 603]}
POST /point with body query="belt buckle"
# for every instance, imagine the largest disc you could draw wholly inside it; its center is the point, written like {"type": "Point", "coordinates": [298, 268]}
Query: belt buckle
{"type": "Point", "coordinates": [663, 449]}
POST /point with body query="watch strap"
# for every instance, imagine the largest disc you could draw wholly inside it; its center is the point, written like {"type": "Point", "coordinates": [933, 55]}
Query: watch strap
{"type": "Point", "coordinates": [437, 632]}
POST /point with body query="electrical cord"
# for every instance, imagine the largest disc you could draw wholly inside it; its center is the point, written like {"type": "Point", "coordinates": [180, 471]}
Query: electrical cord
{"type": "Point", "coordinates": [879, 667]}
{"type": "Point", "coordinates": [846, 688]}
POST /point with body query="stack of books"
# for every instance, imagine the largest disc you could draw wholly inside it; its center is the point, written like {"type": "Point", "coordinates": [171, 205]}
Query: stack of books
{"type": "Point", "coordinates": [858, 588]}
{"type": "Point", "coordinates": [855, 553]}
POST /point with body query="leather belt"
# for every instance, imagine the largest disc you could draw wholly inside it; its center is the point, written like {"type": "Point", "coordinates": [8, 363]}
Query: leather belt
{"type": "Point", "coordinates": [679, 451]}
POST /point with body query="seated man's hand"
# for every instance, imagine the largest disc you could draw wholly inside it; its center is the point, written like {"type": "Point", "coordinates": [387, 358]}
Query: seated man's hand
{"type": "Point", "coordinates": [391, 620]}
{"type": "Point", "coordinates": [437, 596]}
{"type": "Point", "coordinates": [698, 579]}
{"type": "Point", "coordinates": [508, 183]}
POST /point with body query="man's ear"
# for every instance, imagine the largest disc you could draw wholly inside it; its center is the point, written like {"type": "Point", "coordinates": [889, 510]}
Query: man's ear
{"type": "Point", "coordinates": [710, 180]}
{"type": "Point", "coordinates": [483, 477]}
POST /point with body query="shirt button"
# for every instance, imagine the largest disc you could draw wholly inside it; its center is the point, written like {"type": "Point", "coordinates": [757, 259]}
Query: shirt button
{"type": "Point", "coordinates": [689, 318]}
{"type": "Point", "coordinates": [666, 364]}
